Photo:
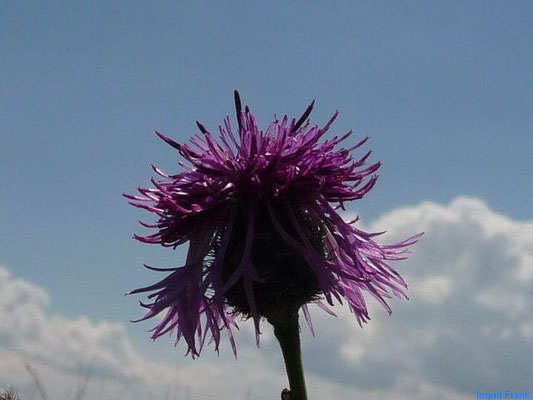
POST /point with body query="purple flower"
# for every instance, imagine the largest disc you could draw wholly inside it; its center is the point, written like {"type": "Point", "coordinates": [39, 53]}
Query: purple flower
{"type": "Point", "coordinates": [259, 212]}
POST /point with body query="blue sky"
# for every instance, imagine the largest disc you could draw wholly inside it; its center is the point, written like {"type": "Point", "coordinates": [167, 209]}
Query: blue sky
{"type": "Point", "coordinates": [444, 89]}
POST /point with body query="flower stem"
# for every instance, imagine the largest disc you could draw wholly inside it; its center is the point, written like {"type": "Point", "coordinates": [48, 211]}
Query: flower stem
{"type": "Point", "coordinates": [287, 332]}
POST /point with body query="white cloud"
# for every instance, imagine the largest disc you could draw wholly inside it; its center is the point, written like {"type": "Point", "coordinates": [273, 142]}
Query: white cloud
{"type": "Point", "coordinates": [61, 342]}
{"type": "Point", "coordinates": [61, 349]}
{"type": "Point", "coordinates": [434, 289]}
{"type": "Point", "coordinates": [467, 327]}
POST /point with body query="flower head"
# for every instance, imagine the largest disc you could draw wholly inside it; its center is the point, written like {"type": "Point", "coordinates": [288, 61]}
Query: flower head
{"type": "Point", "coordinates": [259, 212]}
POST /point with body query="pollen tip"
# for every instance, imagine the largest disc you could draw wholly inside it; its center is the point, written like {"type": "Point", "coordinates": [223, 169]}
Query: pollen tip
{"type": "Point", "coordinates": [237, 98]}
{"type": "Point", "coordinates": [201, 127]}
{"type": "Point", "coordinates": [238, 107]}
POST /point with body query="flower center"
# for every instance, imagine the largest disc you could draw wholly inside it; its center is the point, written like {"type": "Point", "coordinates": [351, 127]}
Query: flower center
{"type": "Point", "coordinates": [287, 280]}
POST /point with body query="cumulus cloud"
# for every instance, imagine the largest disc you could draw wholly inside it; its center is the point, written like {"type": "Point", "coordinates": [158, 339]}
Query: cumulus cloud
{"type": "Point", "coordinates": [468, 326]}
{"type": "Point", "coordinates": [65, 350]}
{"type": "Point", "coordinates": [60, 342]}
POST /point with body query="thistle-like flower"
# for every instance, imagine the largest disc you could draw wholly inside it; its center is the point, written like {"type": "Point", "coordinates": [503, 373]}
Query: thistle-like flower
{"type": "Point", "coordinates": [258, 210]}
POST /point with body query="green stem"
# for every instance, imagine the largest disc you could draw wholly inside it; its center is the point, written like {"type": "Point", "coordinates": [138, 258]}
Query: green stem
{"type": "Point", "coordinates": [287, 332]}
